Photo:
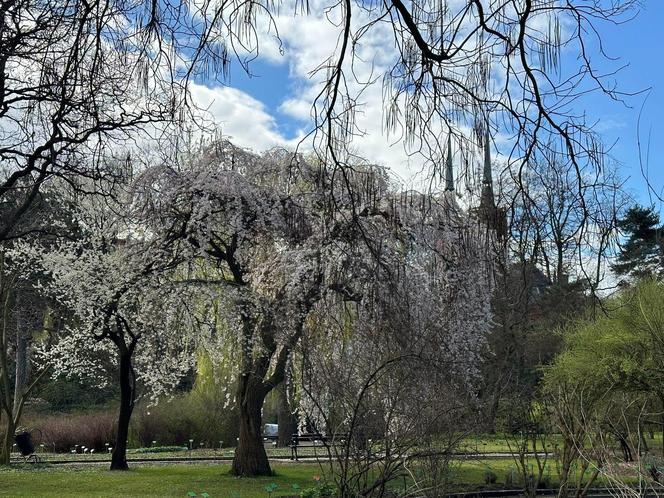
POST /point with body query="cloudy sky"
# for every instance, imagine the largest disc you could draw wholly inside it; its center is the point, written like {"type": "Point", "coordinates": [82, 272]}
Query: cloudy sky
{"type": "Point", "coordinates": [272, 105]}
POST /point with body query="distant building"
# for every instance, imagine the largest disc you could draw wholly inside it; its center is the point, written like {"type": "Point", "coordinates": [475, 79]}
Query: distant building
{"type": "Point", "coordinates": [488, 213]}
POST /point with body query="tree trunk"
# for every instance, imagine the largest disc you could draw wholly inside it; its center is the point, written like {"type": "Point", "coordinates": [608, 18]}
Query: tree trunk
{"type": "Point", "coordinates": [566, 465]}
{"type": "Point", "coordinates": [644, 444]}
{"type": "Point", "coordinates": [624, 448]}
{"type": "Point", "coordinates": [661, 397]}
{"type": "Point", "coordinates": [489, 422]}
{"type": "Point", "coordinates": [21, 379]}
{"type": "Point", "coordinates": [285, 418]}
{"type": "Point", "coordinates": [119, 457]}
{"type": "Point", "coordinates": [30, 317]}
{"type": "Point", "coordinates": [250, 456]}
{"type": "Point", "coordinates": [5, 386]}
{"type": "Point", "coordinates": [7, 441]}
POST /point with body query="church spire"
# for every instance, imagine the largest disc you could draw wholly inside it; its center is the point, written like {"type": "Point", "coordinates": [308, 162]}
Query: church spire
{"type": "Point", "coordinates": [494, 217]}
{"type": "Point", "coordinates": [487, 202]}
{"type": "Point", "coordinates": [449, 171]}
{"type": "Point", "coordinates": [487, 178]}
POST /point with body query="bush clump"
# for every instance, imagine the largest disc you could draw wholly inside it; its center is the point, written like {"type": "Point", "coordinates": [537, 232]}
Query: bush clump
{"type": "Point", "coordinates": [64, 432]}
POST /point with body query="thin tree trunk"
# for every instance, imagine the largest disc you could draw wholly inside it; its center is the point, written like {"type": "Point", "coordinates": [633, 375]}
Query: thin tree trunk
{"type": "Point", "coordinates": [30, 317]}
{"type": "Point", "coordinates": [250, 456]}
{"type": "Point", "coordinates": [644, 444]}
{"type": "Point", "coordinates": [285, 418]}
{"type": "Point", "coordinates": [119, 457]}
{"type": "Point", "coordinates": [21, 380]}
{"type": "Point", "coordinates": [490, 421]}
{"type": "Point", "coordinates": [5, 390]}
{"type": "Point", "coordinates": [661, 397]}
{"type": "Point", "coordinates": [566, 464]}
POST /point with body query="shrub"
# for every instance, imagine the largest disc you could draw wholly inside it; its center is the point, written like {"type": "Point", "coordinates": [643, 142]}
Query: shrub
{"type": "Point", "coordinates": [166, 423]}
{"type": "Point", "coordinates": [176, 421]}
{"type": "Point", "coordinates": [490, 476]}
{"type": "Point", "coordinates": [324, 490]}
{"type": "Point", "coordinates": [510, 476]}
{"type": "Point", "coordinates": [63, 432]}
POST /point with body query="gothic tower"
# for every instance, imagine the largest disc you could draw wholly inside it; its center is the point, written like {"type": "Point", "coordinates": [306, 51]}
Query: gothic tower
{"type": "Point", "coordinates": [449, 171]}
{"type": "Point", "coordinates": [495, 218]}
{"type": "Point", "coordinates": [487, 201]}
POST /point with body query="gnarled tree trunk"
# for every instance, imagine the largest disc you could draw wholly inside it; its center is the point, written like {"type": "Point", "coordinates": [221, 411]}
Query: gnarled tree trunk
{"type": "Point", "coordinates": [250, 456]}
{"type": "Point", "coordinates": [257, 378]}
{"type": "Point", "coordinates": [253, 385]}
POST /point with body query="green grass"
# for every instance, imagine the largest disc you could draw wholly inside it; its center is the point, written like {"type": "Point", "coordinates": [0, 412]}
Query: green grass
{"type": "Point", "coordinates": [471, 472]}
{"type": "Point", "coordinates": [148, 453]}
{"type": "Point", "coordinates": [152, 481]}
{"type": "Point", "coordinates": [176, 480]}
{"type": "Point", "coordinates": [497, 443]}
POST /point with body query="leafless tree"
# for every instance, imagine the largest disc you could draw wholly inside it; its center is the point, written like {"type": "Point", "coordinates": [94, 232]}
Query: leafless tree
{"type": "Point", "coordinates": [77, 78]}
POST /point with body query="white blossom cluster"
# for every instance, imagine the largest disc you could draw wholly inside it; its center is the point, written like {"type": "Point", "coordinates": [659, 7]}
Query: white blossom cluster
{"type": "Point", "coordinates": [406, 351]}
{"type": "Point", "coordinates": [115, 287]}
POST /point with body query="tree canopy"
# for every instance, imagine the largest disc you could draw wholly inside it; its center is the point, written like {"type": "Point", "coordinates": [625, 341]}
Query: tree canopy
{"type": "Point", "coordinates": [641, 254]}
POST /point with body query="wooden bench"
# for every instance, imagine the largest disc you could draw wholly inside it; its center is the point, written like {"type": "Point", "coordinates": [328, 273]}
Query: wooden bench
{"type": "Point", "coordinates": [314, 440]}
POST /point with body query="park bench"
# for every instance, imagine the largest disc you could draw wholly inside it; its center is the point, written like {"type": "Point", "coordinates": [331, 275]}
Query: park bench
{"type": "Point", "coordinates": [314, 440]}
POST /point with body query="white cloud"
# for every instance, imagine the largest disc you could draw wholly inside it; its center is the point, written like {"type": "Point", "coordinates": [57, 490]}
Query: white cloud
{"type": "Point", "coordinates": [307, 42]}
{"type": "Point", "coordinates": [240, 117]}
{"type": "Point", "coordinates": [298, 108]}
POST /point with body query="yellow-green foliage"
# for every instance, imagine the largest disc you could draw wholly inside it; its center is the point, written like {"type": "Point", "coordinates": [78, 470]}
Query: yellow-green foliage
{"type": "Point", "coordinates": [212, 399]}
{"type": "Point", "coordinates": [622, 349]}
{"type": "Point", "coordinates": [213, 379]}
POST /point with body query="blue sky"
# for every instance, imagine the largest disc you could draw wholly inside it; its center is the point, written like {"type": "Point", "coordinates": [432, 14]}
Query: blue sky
{"type": "Point", "coordinates": [270, 107]}
{"type": "Point", "coordinates": [640, 44]}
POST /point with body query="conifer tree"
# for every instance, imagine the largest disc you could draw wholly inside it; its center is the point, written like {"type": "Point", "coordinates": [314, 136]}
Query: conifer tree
{"type": "Point", "coordinates": [642, 253]}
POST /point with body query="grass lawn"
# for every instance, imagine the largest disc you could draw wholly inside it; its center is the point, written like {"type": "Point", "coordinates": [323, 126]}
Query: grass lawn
{"type": "Point", "coordinates": [177, 480]}
{"type": "Point", "coordinates": [133, 454]}
{"type": "Point", "coordinates": [472, 472]}
{"type": "Point", "coordinates": [153, 481]}
{"type": "Point", "coordinates": [489, 443]}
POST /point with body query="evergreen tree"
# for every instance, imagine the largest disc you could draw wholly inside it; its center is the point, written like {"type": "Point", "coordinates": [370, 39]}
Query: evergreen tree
{"type": "Point", "coordinates": [642, 254]}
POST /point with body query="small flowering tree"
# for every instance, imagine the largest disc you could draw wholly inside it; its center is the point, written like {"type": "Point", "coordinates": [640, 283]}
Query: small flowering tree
{"type": "Point", "coordinates": [127, 312]}
{"type": "Point", "coordinates": [26, 318]}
